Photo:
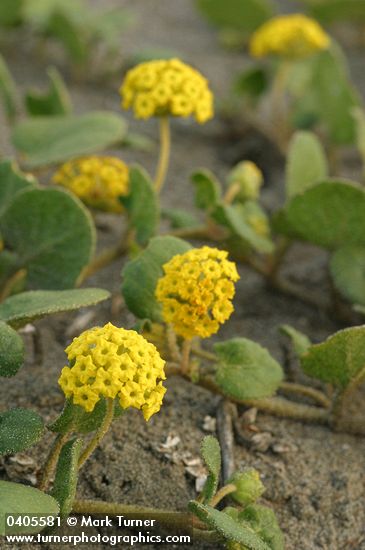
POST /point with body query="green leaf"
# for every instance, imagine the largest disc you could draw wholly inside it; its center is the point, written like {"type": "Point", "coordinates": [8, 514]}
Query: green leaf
{"type": "Point", "coordinates": [236, 218]}
{"type": "Point", "coordinates": [53, 235]}
{"type": "Point", "coordinates": [11, 350]}
{"type": "Point", "coordinates": [332, 96]}
{"type": "Point", "coordinates": [329, 11]}
{"type": "Point", "coordinates": [139, 142]}
{"type": "Point", "coordinates": [140, 276]}
{"type": "Point", "coordinates": [65, 483]}
{"type": "Point", "coordinates": [17, 499]}
{"type": "Point", "coordinates": [246, 370]}
{"type": "Point", "coordinates": [19, 430]}
{"type": "Point", "coordinates": [329, 214]}
{"type": "Point", "coordinates": [11, 182]}
{"type": "Point", "coordinates": [11, 12]}
{"type": "Point", "coordinates": [208, 190]}
{"type": "Point", "coordinates": [211, 453]}
{"type": "Point", "coordinates": [339, 359]}
{"type": "Point", "coordinates": [107, 26]}
{"type": "Point", "coordinates": [347, 268]}
{"type": "Point", "coordinates": [252, 82]}
{"type": "Point", "coordinates": [142, 205]}
{"type": "Point", "coordinates": [263, 521]}
{"type": "Point", "coordinates": [56, 101]}
{"type": "Point", "coordinates": [359, 116]}
{"type": "Point", "coordinates": [300, 341]}
{"type": "Point", "coordinates": [306, 163]}
{"type": "Point", "coordinates": [53, 139]}
{"type": "Point", "coordinates": [20, 309]}
{"type": "Point", "coordinates": [243, 15]}
{"type": "Point", "coordinates": [231, 529]}
{"type": "Point", "coordinates": [8, 90]}
{"type": "Point", "coordinates": [62, 27]}
{"type": "Point", "coordinates": [180, 219]}
{"type": "Point", "coordinates": [75, 418]}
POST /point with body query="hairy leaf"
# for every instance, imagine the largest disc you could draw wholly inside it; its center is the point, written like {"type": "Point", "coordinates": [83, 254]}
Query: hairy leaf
{"type": "Point", "coordinates": [53, 235]}
{"type": "Point", "coordinates": [20, 309]}
{"type": "Point", "coordinates": [56, 101]}
{"type": "Point", "coordinates": [140, 276]}
{"type": "Point", "coordinates": [211, 453]}
{"type": "Point", "coordinates": [11, 350]}
{"type": "Point", "coordinates": [17, 499]}
{"type": "Point", "coordinates": [246, 370]}
{"type": "Point", "coordinates": [65, 483]}
{"type": "Point", "coordinates": [19, 429]}
{"type": "Point", "coordinates": [306, 164]}
{"type": "Point", "coordinates": [53, 139]}
{"type": "Point", "coordinates": [339, 359]}
{"type": "Point", "coordinates": [329, 214]}
{"type": "Point", "coordinates": [231, 529]}
{"type": "Point", "coordinates": [142, 205]}
{"type": "Point", "coordinates": [207, 189]}
{"type": "Point", "coordinates": [300, 341]}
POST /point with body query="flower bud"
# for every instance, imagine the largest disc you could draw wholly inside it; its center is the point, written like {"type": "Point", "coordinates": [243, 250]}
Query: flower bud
{"type": "Point", "coordinates": [249, 486]}
{"type": "Point", "coordinates": [248, 177]}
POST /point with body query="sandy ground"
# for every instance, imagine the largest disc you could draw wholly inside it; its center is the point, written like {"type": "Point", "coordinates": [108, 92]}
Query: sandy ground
{"type": "Point", "coordinates": [315, 478]}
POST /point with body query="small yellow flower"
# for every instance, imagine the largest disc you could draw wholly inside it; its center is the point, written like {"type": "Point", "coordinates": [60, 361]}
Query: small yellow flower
{"type": "Point", "coordinates": [114, 363]}
{"type": "Point", "coordinates": [196, 290]}
{"type": "Point", "coordinates": [159, 88]}
{"type": "Point", "coordinates": [97, 181]}
{"type": "Point", "coordinates": [293, 36]}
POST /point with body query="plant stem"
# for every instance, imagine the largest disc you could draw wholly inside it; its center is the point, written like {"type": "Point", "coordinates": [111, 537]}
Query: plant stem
{"type": "Point", "coordinates": [163, 161]}
{"type": "Point", "coordinates": [226, 410]}
{"type": "Point", "coordinates": [11, 282]}
{"type": "Point", "coordinates": [223, 492]}
{"type": "Point", "coordinates": [51, 461]}
{"type": "Point", "coordinates": [307, 391]}
{"type": "Point", "coordinates": [277, 406]}
{"type": "Point", "coordinates": [106, 258]}
{"type": "Point", "coordinates": [185, 356]}
{"type": "Point", "coordinates": [231, 193]}
{"type": "Point", "coordinates": [172, 344]}
{"type": "Point", "coordinates": [165, 517]}
{"type": "Point", "coordinates": [199, 352]}
{"type": "Point", "coordinates": [108, 419]}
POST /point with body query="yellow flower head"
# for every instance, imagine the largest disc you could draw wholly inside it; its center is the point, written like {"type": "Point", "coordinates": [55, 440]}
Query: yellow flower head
{"type": "Point", "coordinates": [167, 87]}
{"type": "Point", "coordinates": [249, 178]}
{"type": "Point", "coordinates": [196, 291]}
{"type": "Point", "coordinates": [97, 181]}
{"type": "Point", "coordinates": [293, 36]}
{"type": "Point", "coordinates": [114, 362]}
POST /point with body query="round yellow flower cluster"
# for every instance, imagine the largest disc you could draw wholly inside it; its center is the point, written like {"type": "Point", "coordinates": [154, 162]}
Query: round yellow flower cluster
{"type": "Point", "coordinates": [196, 291]}
{"type": "Point", "coordinates": [97, 181]}
{"type": "Point", "coordinates": [167, 87]}
{"type": "Point", "coordinates": [292, 36]}
{"type": "Point", "coordinates": [114, 362]}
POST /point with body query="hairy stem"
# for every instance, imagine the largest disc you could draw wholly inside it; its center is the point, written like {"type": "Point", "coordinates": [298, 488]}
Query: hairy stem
{"type": "Point", "coordinates": [98, 436]}
{"type": "Point", "coordinates": [106, 258]}
{"type": "Point", "coordinates": [172, 344]}
{"type": "Point", "coordinates": [299, 389]}
{"type": "Point", "coordinates": [166, 517]}
{"type": "Point", "coordinates": [11, 282]}
{"type": "Point", "coordinates": [163, 161]}
{"type": "Point", "coordinates": [51, 461]}
{"type": "Point", "coordinates": [185, 357]}
{"type": "Point", "coordinates": [277, 406]}
{"type": "Point", "coordinates": [223, 492]}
